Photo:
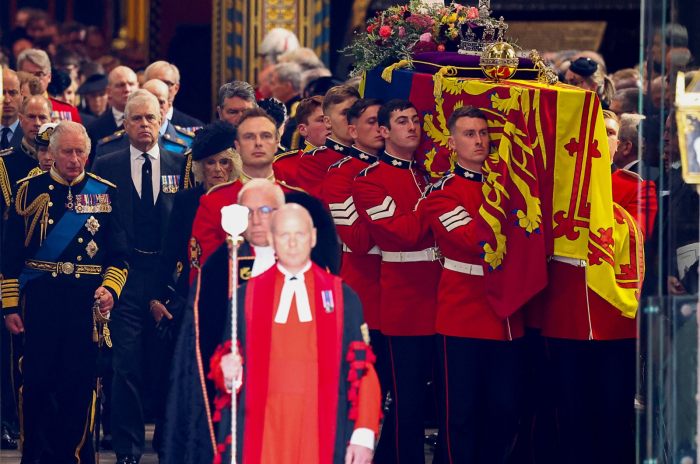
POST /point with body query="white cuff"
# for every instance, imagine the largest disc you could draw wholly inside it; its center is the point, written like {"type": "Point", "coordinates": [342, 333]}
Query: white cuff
{"type": "Point", "coordinates": [363, 437]}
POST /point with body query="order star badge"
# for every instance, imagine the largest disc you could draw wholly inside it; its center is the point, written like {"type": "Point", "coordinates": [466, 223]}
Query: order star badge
{"type": "Point", "coordinates": [91, 249]}
{"type": "Point", "coordinates": [92, 225]}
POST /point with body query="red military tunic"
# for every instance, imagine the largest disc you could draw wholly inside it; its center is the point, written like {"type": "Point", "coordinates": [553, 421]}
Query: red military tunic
{"type": "Point", "coordinates": [286, 165]}
{"type": "Point", "coordinates": [570, 309]}
{"type": "Point", "coordinates": [361, 257]}
{"type": "Point", "coordinates": [386, 196]}
{"type": "Point", "coordinates": [463, 309]}
{"type": "Point", "coordinates": [64, 112]}
{"type": "Point", "coordinates": [314, 164]}
{"type": "Point", "coordinates": [207, 233]}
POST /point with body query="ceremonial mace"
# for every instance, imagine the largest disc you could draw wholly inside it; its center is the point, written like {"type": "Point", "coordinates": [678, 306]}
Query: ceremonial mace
{"type": "Point", "coordinates": [234, 220]}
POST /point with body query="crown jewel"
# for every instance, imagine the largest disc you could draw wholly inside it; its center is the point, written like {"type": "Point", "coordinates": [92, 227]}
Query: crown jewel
{"type": "Point", "coordinates": [479, 33]}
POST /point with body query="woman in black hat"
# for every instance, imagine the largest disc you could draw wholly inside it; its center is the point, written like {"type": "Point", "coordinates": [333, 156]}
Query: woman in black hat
{"type": "Point", "coordinates": [588, 75]}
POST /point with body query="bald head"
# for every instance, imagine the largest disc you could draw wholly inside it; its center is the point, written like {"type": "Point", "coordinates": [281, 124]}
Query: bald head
{"type": "Point", "coordinates": [159, 89]}
{"type": "Point", "coordinates": [293, 235]}
{"type": "Point", "coordinates": [121, 82]}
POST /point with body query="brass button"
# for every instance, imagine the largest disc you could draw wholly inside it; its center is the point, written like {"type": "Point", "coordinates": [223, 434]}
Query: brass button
{"type": "Point", "coordinates": [51, 203]}
{"type": "Point", "coordinates": [50, 221]}
{"type": "Point", "coordinates": [50, 187]}
{"type": "Point", "coordinates": [53, 274]}
{"type": "Point", "coordinates": [79, 258]}
{"type": "Point", "coordinates": [77, 276]}
{"type": "Point", "coordinates": [80, 240]}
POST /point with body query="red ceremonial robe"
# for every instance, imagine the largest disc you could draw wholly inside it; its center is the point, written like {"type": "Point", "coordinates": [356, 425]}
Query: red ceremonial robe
{"type": "Point", "coordinates": [348, 396]}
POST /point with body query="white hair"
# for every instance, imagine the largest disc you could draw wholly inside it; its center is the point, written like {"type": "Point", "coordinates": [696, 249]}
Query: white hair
{"type": "Point", "coordinates": [265, 186]}
{"type": "Point", "coordinates": [156, 65]}
{"type": "Point", "coordinates": [276, 42]}
{"type": "Point", "coordinates": [141, 97]}
{"type": "Point", "coordinates": [65, 127]}
{"type": "Point", "coordinates": [36, 57]}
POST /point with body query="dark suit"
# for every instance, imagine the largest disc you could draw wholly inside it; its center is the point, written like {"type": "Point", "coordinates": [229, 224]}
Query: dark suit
{"type": "Point", "coordinates": [181, 119]}
{"type": "Point", "coordinates": [132, 325]}
{"type": "Point", "coordinates": [17, 137]}
{"type": "Point", "coordinates": [102, 127]}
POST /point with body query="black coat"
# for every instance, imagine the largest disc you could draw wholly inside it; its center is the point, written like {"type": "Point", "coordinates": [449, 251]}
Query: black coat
{"type": "Point", "coordinates": [183, 120]}
{"type": "Point", "coordinates": [102, 127]}
{"type": "Point", "coordinates": [116, 168]}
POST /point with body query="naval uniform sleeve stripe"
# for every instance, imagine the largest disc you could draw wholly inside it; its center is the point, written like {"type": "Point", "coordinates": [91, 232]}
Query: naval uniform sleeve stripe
{"type": "Point", "coordinates": [454, 225]}
{"type": "Point", "coordinates": [10, 302]}
{"type": "Point", "coordinates": [386, 204]}
{"type": "Point", "coordinates": [342, 206]}
{"type": "Point", "coordinates": [346, 221]}
{"type": "Point", "coordinates": [384, 214]}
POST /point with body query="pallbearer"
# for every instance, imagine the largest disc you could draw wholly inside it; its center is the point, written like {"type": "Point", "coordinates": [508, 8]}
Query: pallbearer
{"type": "Point", "coordinates": [480, 354]}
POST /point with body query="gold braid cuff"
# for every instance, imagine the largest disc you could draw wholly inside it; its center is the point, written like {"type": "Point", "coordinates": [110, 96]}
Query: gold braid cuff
{"type": "Point", "coordinates": [10, 293]}
{"type": "Point", "coordinates": [39, 208]}
{"type": "Point", "coordinates": [115, 279]}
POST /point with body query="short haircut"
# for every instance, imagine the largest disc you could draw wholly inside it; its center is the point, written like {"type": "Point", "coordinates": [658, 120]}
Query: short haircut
{"type": "Point", "coordinates": [607, 114]}
{"type": "Point", "coordinates": [360, 106]}
{"type": "Point", "coordinates": [141, 97]}
{"type": "Point", "coordinates": [65, 127]}
{"type": "Point", "coordinates": [38, 97]}
{"type": "Point", "coordinates": [339, 94]}
{"type": "Point", "coordinates": [157, 65]}
{"type": "Point", "coordinates": [31, 80]}
{"type": "Point", "coordinates": [257, 113]}
{"type": "Point", "coordinates": [238, 89]}
{"type": "Point", "coordinates": [307, 107]}
{"type": "Point", "coordinates": [465, 112]}
{"type": "Point", "coordinates": [289, 72]}
{"type": "Point", "coordinates": [36, 57]}
{"type": "Point", "coordinates": [629, 99]}
{"type": "Point", "coordinates": [305, 57]}
{"type": "Point", "coordinates": [263, 184]}
{"type": "Point", "coordinates": [384, 114]}
{"type": "Point", "coordinates": [629, 128]}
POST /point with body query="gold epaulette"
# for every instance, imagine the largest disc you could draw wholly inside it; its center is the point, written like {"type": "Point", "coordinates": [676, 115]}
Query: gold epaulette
{"type": "Point", "coordinates": [217, 187]}
{"type": "Point", "coordinates": [296, 189]}
{"type": "Point", "coordinates": [293, 109]}
{"type": "Point", "coordinates": [35, 172]}
{"type": "Point", "coordinates": [104, 181]}
{"type": "Point", "coordinates": [7, 151]}
{"type": "Point", "coordinates": [182, 130]}
{"type": "Point", "coordinates": [114, 136]}
{"type": "Point", "coordinates": [176, 140]}
{"type": "Point", "coordinates": [296, 140]}
{"type": "Point", "coordinates": [286, 154]}
{"type": "Point", "coordinates": [39, 208]}
{"type": "Point", "coordinates": [31, 175]}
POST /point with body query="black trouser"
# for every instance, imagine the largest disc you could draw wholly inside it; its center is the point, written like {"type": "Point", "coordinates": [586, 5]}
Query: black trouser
{"type": "Point", "coordinates": [538, 436]}
{"type": "Point", "coordinates": [131, 321]}
{"type": "Point", "coordinates": [595, 387]}
{"type": "Point", "coordinates": [382, 365]}
{"type": "Point", "coordinates": [402, 436]}
{"type": "Point", "coordinates": [8, 411]}
{"type": "Point", "coordinates": [58, 369]}
{"type": "Point", "coordinates": [482, 398]}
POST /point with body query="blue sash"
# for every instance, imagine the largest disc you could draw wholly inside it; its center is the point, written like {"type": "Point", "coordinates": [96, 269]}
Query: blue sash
{"type": "Point", "coordinates": [61, 235]}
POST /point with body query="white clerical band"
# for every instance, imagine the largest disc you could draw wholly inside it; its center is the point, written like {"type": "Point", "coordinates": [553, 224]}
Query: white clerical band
{"type": "Point", "coordinates": [294, 287]}
{"type": "Point", "coordinates": [363, 437]}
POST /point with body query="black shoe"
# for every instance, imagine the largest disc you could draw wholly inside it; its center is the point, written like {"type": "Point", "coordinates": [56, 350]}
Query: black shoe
{"type": "Point", "coordinates": [7, 443]}
{"type": "Point", "coordinates": [106, 442]}
{"type": "Point", "coordinates": [14, 431]}
{"type": "Point", "coordinates": [127, 459]}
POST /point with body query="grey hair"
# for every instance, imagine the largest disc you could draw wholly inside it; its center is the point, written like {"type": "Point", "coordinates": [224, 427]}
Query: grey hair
{"type": "Point", "coordinates": [141, 97]}
{"type": "Point", "coordinates": [41, 98]}
{"type": "Point", "coordinates": [304, 57]}
{"type": "Point", "coordinates": [264, 185]}
{"type": "Point", "coordinates": [156, 65]}
{"type": "Point", "coordinates": [289, 72]}
{"type": "Point", "coordinates": [238, 89]}
{"type": "Point", "coordinates": [276, 42]}
{"type": "Point", "coordinates": [629, 99]}
{"type": "Point", "coordinates": [65, 127]}
{"type": "Point", "coordinates": [629, 128]}
{"type": "Point", "coordinates": [36, 57]}
{"type": "Point", "coordinates": [231, 154]}
{"type": "Point", "coordinates": [313, 74]}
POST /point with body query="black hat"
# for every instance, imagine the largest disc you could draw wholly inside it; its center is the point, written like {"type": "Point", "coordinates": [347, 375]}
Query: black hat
{"type": "Point", "coordinates": [60, 81]}
{"type": "Point", "coordinates": [274, 108]}
{"type": "Point", "coordinates": [212, 139]}
{"type": "Point", "coordinates": [584, 67]}
{"type": "Point", "coordinates": [43, 137]}
{"type": "Point", "coordinates": [94, 83]}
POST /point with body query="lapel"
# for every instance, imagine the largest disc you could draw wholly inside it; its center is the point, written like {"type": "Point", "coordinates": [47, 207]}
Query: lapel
{"type": "Point", "coordinates": [17, 137]}
{"type": "Point", "coordinates": [125, 186]}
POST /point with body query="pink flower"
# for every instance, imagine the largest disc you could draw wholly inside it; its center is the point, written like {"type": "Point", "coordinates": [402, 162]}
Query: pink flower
{"type": "Point", "coordinates": [427, 37]}
{"type": "Point", "coordinates": [402, 31]}
{"type": "Point", "coordinates": [472, 13]}
{"type": "Point", "coordinates": [385, 31]}
{"type": "Point", "coordinates": [370, 28]}
{"type": "Point", "coordinates": [459, 7]}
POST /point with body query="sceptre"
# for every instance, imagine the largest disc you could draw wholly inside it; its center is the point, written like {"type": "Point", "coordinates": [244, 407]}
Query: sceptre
{"type": "Point", "coordinates": [234, 220]}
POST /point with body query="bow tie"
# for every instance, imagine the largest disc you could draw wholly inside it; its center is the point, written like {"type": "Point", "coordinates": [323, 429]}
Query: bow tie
{"type": "Point", "coordinates": [293, 287]}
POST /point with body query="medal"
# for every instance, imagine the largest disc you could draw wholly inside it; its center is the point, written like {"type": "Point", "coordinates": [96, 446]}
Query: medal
{"type": "Point", "coordinates": [327, 297]}
{"type": "Point", "coordinates": [92, 225]}
{"type": "Point", "coordinates": [69, 205]}
{"type": "Point", "coordinates": [91, 248]}
{"type": "Point", "coordinates": [170, 184]}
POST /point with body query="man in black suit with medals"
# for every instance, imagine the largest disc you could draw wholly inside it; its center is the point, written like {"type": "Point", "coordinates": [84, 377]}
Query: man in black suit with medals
{"type": "Point", "coordinates": [149, 177]}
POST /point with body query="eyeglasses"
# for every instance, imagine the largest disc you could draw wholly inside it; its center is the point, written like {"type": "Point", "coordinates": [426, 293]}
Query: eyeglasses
{"type": "Point", "coordinates": [263, 211]}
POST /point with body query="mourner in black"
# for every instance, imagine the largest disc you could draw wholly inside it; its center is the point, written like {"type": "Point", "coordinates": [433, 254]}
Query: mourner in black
{"type": "Point", "coordinates": [64, 264]}
{"type": "Point", "coordinates": [149, 176]}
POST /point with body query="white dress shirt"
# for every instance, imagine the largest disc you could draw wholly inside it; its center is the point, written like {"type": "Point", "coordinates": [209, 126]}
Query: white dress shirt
{"type": "Point", "coordinates": [264, 260]}
{"type": "Point", "coordinates": [137, 164]}
{"type": "Point", "coordinates": [169, 114]}
{"type": "Point", "coordinates": [629, 166]}
{"type": "Point", "coordinates": [118, 117]}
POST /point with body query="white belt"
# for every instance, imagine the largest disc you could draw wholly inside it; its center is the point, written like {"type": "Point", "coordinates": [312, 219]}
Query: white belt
{"type": "Point", "coordinates": [464, 268]}
{"type": "Point", "coordinates": [374, 251]}
{"type": "Point", "coordinates": [429, 254]}
{"type": "Point", "coordinates": [572, 261]}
